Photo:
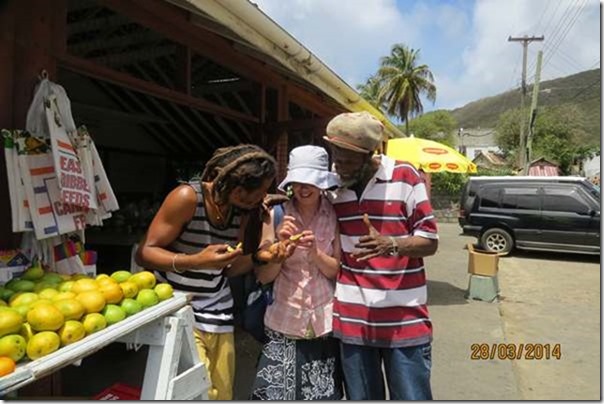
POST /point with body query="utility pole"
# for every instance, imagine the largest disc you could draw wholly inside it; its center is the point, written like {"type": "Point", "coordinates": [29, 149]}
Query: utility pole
{"type": "Point", "coordinates": [533, 113]}
{"type": "Point", "coordinates": [522, 149]}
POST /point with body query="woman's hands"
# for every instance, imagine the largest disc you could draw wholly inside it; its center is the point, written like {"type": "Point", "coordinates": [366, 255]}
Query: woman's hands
{"type": "Point", "coordinates": [289, 238]}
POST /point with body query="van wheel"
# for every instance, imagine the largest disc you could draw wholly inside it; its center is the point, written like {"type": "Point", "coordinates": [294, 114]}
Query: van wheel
{"type": "Point", "coordinates": [497, 240]}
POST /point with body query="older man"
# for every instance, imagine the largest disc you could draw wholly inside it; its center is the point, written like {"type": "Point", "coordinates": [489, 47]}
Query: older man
{"type": "Point", "coordinates": [386, 227]}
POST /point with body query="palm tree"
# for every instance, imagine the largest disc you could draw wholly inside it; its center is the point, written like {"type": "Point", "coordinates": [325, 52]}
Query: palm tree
{"type": "Point", "coordinates": [371, 91]}
{"type": "Point", "coordinates": [402, 83]}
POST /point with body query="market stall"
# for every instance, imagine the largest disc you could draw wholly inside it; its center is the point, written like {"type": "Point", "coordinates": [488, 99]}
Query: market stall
{"type": "Point", "coordinates": [173, 370]}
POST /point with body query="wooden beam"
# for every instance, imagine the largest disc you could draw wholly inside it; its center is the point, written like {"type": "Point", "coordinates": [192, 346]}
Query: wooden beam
{"type": "Point", "coordinates": [90, 69]}
{"type": "Point", "coordinates": [127, 116]}
{"type": "Point", "coordinates": [134, 56]}
{"type": "Point", "coordinates": [240, 125]}
{"type": "Point", "coordinates": [94, 24]}
{"type": "Point", "coordinates": [167, 80]}
{"type": "Point", "coordinates": [282, 149]}
{"type": "Point", "coordinates": [298, 124]}
{"type": "Point", "coordinates": [223, 87]}
{"type": "Point", "coordinates": [173, 23]}
{"type": "Point", "coordinates": [137, 38]}
{"type": "Point", "coordinates": [193, 131]}
{"type": "Point", "coordinates": [183, 69]}
{"type": "Point", "coordinates": [152, 129]}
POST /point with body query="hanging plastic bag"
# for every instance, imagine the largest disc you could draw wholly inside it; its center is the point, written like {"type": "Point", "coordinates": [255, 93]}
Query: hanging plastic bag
{"type": "Point", "coordinates": [21, 218]}
{"type": "Point", "coordinates": [105, 192]}
{"type": "Point", "coordinates": [50, 215]}
{"type": "Point", "coordinates": [76, 187]}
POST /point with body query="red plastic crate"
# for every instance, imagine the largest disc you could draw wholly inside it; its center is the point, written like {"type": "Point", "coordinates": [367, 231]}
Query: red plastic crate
{"type": "Point", "coordinates": [119, 391]}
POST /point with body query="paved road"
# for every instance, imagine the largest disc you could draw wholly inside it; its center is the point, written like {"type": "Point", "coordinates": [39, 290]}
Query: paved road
{"type": "Point", "coordinates": [459, 323]}
{"type": "Point", "coordinates": [554, 298]}
{"type": "Point", "coordinates": [544, 298]}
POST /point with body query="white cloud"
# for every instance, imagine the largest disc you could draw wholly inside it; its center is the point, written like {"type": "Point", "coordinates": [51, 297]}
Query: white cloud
{"type": "Point", "coordinates": [493, 65]}
{"type": "Point", "coordinates": [466, 48]}
{"type": "Point", "coordinates": [349, 37]}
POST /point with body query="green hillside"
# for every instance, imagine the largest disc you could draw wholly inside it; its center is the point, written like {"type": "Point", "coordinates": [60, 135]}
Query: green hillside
{"type": "Point", "coordinates": [582, 89]}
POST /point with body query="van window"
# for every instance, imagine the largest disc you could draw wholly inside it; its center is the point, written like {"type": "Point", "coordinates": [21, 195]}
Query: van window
{"type": "Point", "coordinates": [489, 197]}
{"type": "Point", "coordinates": [563, 200]}
{"type": "Point", "coordinates": [520, 198]}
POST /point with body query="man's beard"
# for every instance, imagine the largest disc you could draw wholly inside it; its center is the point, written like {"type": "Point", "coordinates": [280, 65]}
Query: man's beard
{"type": "Point", "coordinates": [357, 178]}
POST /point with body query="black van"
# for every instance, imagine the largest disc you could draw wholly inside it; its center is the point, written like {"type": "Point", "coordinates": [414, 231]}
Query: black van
{"type": "Point", "coordinates": [533, 213]}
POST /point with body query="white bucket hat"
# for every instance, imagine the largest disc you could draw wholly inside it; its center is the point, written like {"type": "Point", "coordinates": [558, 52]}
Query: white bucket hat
{"type": "Point", "coordinates": [309, 165]}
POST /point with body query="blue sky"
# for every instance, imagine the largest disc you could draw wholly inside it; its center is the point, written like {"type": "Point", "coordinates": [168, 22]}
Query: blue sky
{"type": "Point", "coordinates": [464, 42]}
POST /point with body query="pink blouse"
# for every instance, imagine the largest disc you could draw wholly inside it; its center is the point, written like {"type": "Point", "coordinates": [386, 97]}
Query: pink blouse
{"type": "Point", "coordinates": [302, 295]}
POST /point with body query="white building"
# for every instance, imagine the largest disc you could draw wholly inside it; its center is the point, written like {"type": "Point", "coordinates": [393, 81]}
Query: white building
{"type": "Point", "coordinates": [472, 141]}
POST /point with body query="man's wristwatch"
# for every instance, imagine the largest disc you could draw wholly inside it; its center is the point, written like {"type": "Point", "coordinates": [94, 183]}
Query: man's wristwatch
{"type": "Point", "coordinates": [394, 249]}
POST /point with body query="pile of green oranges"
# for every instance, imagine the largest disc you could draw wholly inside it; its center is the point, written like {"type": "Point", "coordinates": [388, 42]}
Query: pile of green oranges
{"type": "Point", "coordinates": [40, 311]}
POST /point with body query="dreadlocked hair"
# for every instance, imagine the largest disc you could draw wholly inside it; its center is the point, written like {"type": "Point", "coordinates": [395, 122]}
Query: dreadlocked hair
{"type": "Point", "coordinates": [245, 165]}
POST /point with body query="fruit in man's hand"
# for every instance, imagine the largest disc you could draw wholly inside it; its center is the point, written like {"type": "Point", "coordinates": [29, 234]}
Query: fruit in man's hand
{"type": "Point", "coordinates": [296, 237]}
{"type": "Point", "coordinates": [42, 344]}
{"type": "Point", "coordinates": [232, 249]}
{"type": "Point", "coordinates": [13, 346]}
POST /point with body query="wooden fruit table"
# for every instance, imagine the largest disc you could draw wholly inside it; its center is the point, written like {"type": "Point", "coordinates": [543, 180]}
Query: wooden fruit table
{"type": "Point", "coordinates": [173, 370]}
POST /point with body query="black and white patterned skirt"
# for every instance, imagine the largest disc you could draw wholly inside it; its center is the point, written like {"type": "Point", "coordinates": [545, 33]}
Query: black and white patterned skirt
{"type": "Point", "coordinates": [298, 369]}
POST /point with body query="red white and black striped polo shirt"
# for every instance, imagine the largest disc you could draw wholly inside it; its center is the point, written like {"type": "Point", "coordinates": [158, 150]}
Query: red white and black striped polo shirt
{"type": "Point", "coordinates": [381, 302]}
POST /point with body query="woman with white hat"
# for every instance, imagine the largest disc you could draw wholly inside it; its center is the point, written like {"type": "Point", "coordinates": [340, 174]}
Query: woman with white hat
{"type": "Point", "coordinates": [301, 360]}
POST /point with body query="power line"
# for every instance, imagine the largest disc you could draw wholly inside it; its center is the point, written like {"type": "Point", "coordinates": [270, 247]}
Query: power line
{"type": "Point", "coordinates": [567, 29]}
{"type": "Point", "coordinates": [585, 89]}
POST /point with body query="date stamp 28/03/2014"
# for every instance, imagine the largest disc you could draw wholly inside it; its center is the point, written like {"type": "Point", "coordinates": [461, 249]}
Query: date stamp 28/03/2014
{"type": "Point", "coordinates": [513, 351]}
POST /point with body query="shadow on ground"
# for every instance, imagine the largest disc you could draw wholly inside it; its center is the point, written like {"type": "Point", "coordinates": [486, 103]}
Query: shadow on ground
{"type": "Point", "coordinates": [443, 294]}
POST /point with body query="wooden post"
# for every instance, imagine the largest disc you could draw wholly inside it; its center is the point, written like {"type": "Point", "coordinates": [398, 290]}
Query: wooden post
{"type": "Point", "coordinates": [183, 69]}
{"type": "Point", "coordinates": [30, 31]}
{"type": "Point", "coordinates": [282, 137]}
{"type": "Point", "coordinates": [34, 44]}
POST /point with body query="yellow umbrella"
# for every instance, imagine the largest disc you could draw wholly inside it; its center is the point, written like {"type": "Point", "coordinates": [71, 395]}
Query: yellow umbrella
{"type": "Point", "coordinates": [430, 156]}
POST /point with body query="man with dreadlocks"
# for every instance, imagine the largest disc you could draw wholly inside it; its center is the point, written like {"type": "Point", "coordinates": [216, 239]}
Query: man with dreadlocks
{"type": "Point", "coordinates": [187, 244]}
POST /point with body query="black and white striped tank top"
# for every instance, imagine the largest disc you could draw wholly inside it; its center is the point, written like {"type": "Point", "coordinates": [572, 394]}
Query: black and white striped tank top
{"type": "Point", "coordinates": [212, 300]}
